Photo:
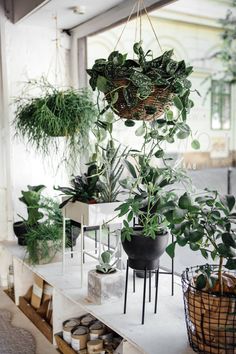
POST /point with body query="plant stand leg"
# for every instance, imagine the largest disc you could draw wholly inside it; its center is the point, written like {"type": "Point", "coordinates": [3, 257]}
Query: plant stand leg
{"type": "Point", "coordinates": [108, 239]}
{"type": "Point", "coordinates": [96, 242]}
{"type": "Point", "coordinates": [134, 276]}
{"type": "Point", "coordinates": [82, 252]}
{"type": "Point", "coordinates": [150, 285]}
{"type": "Point", "coordinates": [172, 273]}
{"type": "Point", "coordinates": [71, 240]}
{"type": "Point", "coordinates": [126, 285]}
{"type": "Point", "coordinates": [100, 240]}
{"type": "Point", "coordinates": [156, 294]}
{"type": "Point", "coordinates": [144, 294]}
{"type": "Point", "coordinates": [63, 243]}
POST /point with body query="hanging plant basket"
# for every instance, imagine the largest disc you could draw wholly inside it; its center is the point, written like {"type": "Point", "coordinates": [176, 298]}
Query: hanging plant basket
{"type": "Point", "coordinates": [210, 316]}
{"type": "Point", "coordinates": [54, 113]}
{"type": "Point", "coordinates": [142, 89]}
{"type": "Point", "coordinates": [148, 109]}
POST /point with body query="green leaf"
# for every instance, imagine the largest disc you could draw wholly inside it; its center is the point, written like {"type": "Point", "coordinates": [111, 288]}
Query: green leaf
{"type": "Point", "coordinates": [185, 201]}
{"type": "Point", "coordinates": [170, 250]}
{"type": "Point", "coordinates": [102, 84]}
{"type": "Point", "coordinates": [140, 131]}
{"type": "Point", "coordinates": [230, 200]}
{"type": "Point", "coordinates": [195, 144]}
{"type": "Point", "coordinates": [178, 103]}
{"type": "Point", "coordinates": [169, 115]}
{"type": "Point", "coordinates": [159, 154]}
{"type": "Point", "coordinates": [194, 246]}
{"type": "Point", "coordinates": [231, 264]}
{"type": "Point", "coordinates": [130, 168]}
{"type": "Point", "coordinates": [228, 239]}
{"type": "Point", "coordinates": [179, 215]}
{"type": "Point", "coordinates": [204, 253]}
{"type": "Point", "coordinates": [129, 123]}
{"type": "Point", "coordinates": [201, 282]}
{"type": "Point", "coordinates": [106, 257]}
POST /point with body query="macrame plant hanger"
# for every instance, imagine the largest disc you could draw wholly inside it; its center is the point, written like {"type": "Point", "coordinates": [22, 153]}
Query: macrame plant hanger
{"type": "Point", "coordinates": [140, 8]}
{"type": "Point", "coordinates": [57, 61]}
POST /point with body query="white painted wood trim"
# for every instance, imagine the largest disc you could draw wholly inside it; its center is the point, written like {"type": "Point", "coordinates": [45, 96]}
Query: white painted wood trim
{"type": "Point", "coordinates": [5, 125]}
{"type": "Point", "coordinates": [113, 16]}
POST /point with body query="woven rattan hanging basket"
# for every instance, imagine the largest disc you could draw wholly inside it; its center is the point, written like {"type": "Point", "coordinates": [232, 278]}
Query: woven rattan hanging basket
{"type": "Point", "coordinates": [148, 109]}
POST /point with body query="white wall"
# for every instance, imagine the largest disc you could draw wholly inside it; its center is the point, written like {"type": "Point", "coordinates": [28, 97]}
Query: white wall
{"type": "Point", "coordinates": [30, 53]}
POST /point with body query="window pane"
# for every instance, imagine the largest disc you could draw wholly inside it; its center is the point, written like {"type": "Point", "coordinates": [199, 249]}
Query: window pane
{"type": "Point", "coordinates": [221, 100]}
{"type": "Point", "coordinates": [226, 112]}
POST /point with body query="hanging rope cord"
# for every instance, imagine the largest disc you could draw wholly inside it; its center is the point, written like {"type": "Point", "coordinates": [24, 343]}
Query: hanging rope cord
{"type": "Point", "coordinates": [139, 4]}
{"type": "Point", "coordinates": [57, 60]}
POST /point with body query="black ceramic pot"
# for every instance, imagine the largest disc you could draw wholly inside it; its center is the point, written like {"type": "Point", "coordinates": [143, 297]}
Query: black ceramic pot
{"type": "Point", "coordinates": [144, 252]}
{"type": "Point", "coordinates": [20, 230]}
{"type": "Point", "coordinates": [72, 233]}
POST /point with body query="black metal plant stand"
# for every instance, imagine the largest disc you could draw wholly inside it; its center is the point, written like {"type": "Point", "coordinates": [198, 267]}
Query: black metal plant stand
{"type": "Point", "coordinates": [146, 273]}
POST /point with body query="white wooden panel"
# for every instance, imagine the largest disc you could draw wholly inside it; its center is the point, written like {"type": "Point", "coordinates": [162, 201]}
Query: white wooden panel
{"type": "Point", "coordinates": [23, 278]}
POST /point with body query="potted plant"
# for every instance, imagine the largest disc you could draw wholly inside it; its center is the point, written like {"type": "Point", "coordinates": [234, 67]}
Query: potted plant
{"type": "Point", "coordinates": [204, 222]}
{"type": "Point", "coordinates": [142, 88]}
{"type": "Point", "coordinates": [54, 113]}
{"type": "Point", "coordinates": [105, 283]}
{"type": "Point", "coordinates": [43, 242]}
{"type": "Point", "coordinates": [31, 198]}
{"type": "Point", "coordinates": [94, 195]}
{"type": "Point", "coordinates": [150, 198]}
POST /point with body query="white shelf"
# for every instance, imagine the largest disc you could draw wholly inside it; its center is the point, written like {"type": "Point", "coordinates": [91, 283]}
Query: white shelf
{"type": "Point", "coordinates": [163, 333]}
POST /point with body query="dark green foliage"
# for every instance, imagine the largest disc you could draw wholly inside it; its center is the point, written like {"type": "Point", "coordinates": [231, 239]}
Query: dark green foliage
{"type": "Point", "coordinates": [101, 182]}
{"type": "Point", "coordinates": [84, 188]}
{"type": "Point", "coordinates": [142, 74]}
{"type": "Point", "coordinates": [55, 113]}
{"type": "Point", "coordinates": [43, 242]}
{"type": "Point", "coordinates": [31, 198]}
{"type": "Point", "coordinates": [206, 225]}
{"type": "Point", "coordinates": [150, 198]}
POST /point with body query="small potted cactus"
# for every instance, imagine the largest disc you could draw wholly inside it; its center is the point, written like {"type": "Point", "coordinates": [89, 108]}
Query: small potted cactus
{"type": "Point", "coordinates": [106, 282]}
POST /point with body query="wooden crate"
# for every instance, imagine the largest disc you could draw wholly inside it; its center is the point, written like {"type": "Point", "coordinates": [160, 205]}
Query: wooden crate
{"type": "Point", "coordinates": [63, 347]}
{"type": "Point", "coordinates": [38, 321]}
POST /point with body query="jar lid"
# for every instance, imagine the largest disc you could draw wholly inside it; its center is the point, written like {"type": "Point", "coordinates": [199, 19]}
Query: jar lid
{"type": "Point", "coordinates": [87, 320]}
{"type": "Point", "coordinates": [96, 326]}
{"type": "Point", "coordinates": [68, 324]}
{"type": "Point", "coordinates": [79, 330]}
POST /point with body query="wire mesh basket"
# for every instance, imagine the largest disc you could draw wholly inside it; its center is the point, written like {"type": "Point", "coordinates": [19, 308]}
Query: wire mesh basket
{"type": "Point", "coordinates": [210, 317]}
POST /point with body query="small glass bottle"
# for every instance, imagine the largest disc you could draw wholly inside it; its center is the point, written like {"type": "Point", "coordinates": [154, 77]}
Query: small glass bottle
{"type": "Point", "coordinates": [11, 280]}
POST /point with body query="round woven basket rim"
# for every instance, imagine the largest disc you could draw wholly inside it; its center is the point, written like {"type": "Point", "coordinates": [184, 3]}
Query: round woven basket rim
{"type": "Point", "coordinates": [187, 281]}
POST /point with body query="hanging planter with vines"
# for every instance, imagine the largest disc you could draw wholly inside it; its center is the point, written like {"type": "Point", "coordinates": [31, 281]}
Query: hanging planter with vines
{"type": "Point", "coordinates": [145, 87]}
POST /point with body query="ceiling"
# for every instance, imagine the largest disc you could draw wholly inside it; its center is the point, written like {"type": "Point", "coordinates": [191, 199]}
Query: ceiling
{"type": "Point", "coordinates": [64, 10]}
